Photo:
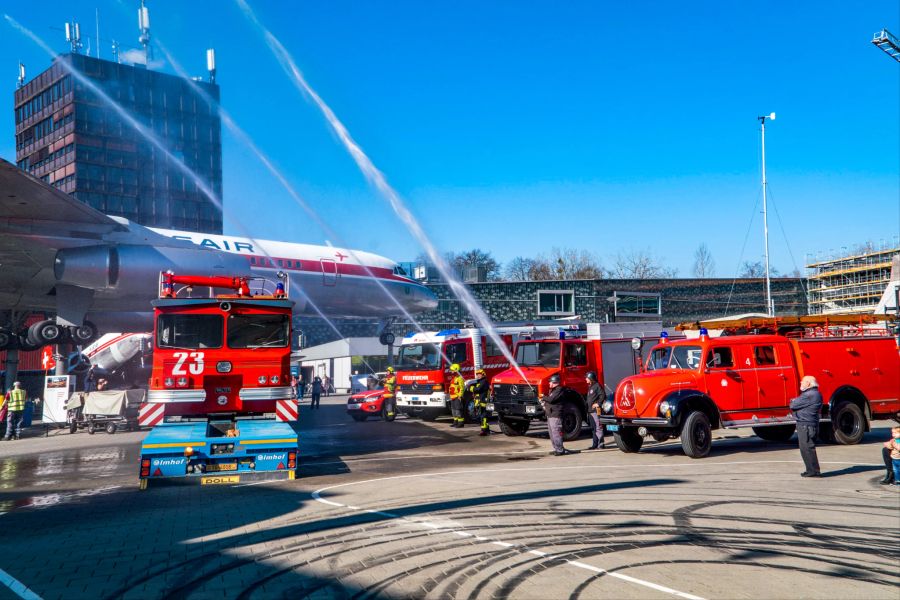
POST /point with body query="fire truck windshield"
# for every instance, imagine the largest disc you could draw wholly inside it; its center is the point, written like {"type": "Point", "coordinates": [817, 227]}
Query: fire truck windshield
{"type": "Point", "coordinates": [258, 331]}
{"type": "Point", "coordinates": [418, 357]}
{"type": "Point", "coordinates": [189, 331]}
{"type": "Point", "coordinates": [675, 357]}
{"type": "Point", "coordinates": [538, 354]}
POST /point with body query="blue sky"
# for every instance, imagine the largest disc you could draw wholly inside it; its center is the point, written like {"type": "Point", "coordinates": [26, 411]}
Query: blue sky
{"type": "Point", "coordinates": [518, 126]}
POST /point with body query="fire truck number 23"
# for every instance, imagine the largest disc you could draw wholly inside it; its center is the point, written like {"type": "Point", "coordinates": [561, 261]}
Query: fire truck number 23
{"type": "Point", "coordinates": [194, 366]}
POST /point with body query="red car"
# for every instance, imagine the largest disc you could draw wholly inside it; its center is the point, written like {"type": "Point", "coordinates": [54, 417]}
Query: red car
{"type": "Point", "coordinates": [365, 404]}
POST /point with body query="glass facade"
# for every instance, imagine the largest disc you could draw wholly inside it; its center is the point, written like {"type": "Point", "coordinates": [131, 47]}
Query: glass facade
{"type": "Point", "coordinates": [67, 136]}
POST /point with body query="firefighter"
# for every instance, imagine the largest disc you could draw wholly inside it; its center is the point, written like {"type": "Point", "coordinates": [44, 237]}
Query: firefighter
{"type": "Point", "coordinates": [595, 398]}
{"type": "Point", "coordinates": [16, 399]}
{"type": "Point", "coordinates": [390, 390]}
{"type": "Point", "coordinates": [456, 391]}
{"type": "Point", "coordinates": [552, 405]}
{"type": "Point", "coordinates": [479, 391]}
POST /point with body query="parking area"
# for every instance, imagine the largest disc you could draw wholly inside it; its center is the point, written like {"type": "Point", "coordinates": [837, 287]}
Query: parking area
{"type": "Point", "coordinates": [413, 509]}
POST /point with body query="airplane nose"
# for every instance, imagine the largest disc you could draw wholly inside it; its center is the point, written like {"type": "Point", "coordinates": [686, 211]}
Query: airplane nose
{"type": "Point", "coordinates": [426, 300]}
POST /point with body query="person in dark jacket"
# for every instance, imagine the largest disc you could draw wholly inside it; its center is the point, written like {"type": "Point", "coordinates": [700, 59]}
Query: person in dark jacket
{"type": "Point", "coordinates": [807, 408]}
{"type": "Point", "coordinates": [552, 405]}
{"type": "Point", "coordinates": [480, 390]}
{"type": "Point", "coordinates": [595, 397]}
{"type": "Point", "coordinates": [316, 392]}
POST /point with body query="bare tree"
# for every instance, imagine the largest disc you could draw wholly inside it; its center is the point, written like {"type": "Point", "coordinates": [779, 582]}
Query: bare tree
{"type": "Point", "coordinates": [564, 263]}
{"type": "Point", "coordinates": [704, 263]}
{"type": "Point", "coordinates": [477, 258]}
{"type": "Point", "coordinates": [756, 270]}
{"type": "Point", "coordinates": [519, 269]}
{"type": "Point", "coordinates": [640, 264]}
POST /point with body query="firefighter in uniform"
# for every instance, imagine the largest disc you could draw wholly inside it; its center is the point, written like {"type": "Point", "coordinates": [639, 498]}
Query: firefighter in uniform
{"type": "Point", "coordinates": [456, 391]}
{"type": "Point", "coordinates": [595, 397]}
{"type": "Point", "coordinates": [480, 391]}
{"type": "Point", "coordinates": [15, 411]}
{"type": "Point", "coordinates": [390, 391]}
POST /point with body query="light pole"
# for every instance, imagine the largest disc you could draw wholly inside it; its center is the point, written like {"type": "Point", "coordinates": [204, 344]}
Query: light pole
{"type": "Point", "coordinates": [770, 308]}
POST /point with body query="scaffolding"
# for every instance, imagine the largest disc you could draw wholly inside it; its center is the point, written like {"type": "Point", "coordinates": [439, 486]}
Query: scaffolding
{"type": "Point", "coordinates": [849, 284]}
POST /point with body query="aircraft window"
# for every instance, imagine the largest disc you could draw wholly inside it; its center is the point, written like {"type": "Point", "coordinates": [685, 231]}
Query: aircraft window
{"type": "Point", "coordinates": [719, 358]}
{"type": "Point", "coordinates": [258, 331]}
{"type": "Point", "coordinates": [765, 355]}
{"type": "Point", "coordinates": [189, 331]}
{"type": "Point", "coordinates": [398, 270]}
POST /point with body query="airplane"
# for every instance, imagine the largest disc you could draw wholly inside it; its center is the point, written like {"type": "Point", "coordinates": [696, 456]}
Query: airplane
{"type": "Point", "coordinates": [94, 271]}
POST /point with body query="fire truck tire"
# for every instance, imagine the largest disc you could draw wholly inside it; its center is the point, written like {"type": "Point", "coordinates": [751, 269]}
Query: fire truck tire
{"type": "Point", "coordinates": [359, 418]}
{"type": "Point", "coordinates": [514, 427]}
{"type": "Point", "coordinates": [73, 426]}
{"type": "Point", "coordinates": [110, 428]}
{"type": "Point", "coordinates": [696, 435]}
{"type": "Point", "coordinates": [91, 429]}
{"type": "Point", "coordinates": [775, 433]}
{"type": "Point", "coordinates": [848, 423]}
{"type": "Point", "coordinates": [628, 440]}
{"type": "Point", "coordinates": [571, 422]}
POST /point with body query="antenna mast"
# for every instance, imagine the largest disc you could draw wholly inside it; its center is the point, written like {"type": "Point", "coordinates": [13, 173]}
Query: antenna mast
{"type": "Point", "coordinates": [73, 36]}
{"type": "Point", "coordinates": [770, 308]}
{"type": "Point", "coordinates": [144, 26]}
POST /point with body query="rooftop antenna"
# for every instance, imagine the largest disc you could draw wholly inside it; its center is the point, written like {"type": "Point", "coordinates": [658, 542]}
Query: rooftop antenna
{"type": "Point", "coordinates": [211, 64]}
{"type": "Point", "coordinates": [144, 26]}
{"type": "Point", "coordinates": [115, 51]}
{"type": "Point", "coordinates": [73, 36]}
{"type": "Point", "coordinates": [21, 80]}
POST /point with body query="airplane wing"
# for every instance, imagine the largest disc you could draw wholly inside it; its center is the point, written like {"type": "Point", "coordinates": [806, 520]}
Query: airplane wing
{"type": "Point", "coordinates": [36, 220]}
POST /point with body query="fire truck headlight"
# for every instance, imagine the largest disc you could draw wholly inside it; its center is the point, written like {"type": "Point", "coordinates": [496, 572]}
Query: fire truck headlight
{"type": "Point", "coordinates": [606, 406]}
{"type": "Point", "coordinates": [262, 380]}
{"type": "Point", "coordinates": [223, 366]}
{"type": "Point", "coordinates": [182, 382]}
{"type": "Point", "coordinates": [274, 379]}
{"type": "Point", "coordinates": [665, 409]}
{"type": "Point", "coordinates": [169, 382]}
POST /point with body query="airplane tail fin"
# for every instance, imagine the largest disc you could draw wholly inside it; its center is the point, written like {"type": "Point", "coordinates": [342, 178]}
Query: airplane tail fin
{"type": "Point", "coordinates": [888, 302]}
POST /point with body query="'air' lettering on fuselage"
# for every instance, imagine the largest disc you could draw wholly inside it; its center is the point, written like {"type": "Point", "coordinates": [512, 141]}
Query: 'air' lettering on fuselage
{"type": "Point", "coordinates": [223, 245]}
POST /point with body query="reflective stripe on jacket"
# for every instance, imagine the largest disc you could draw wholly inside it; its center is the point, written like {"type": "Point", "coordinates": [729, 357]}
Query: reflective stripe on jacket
{"type": "Point", "coordinates": [17, 400]}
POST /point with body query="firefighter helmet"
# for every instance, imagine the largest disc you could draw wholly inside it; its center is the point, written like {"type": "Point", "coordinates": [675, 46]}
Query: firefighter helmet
{"type": "Point", "coordinates": [454, 368]}
{"type": "Point", "coordinates": [554, 378]}
{"type": "Point", "coordinates": [479, 371]}
{"type": "Point", "coordinates": [591, 375]}
{"type": "Point", "coordinates": [390, 369]}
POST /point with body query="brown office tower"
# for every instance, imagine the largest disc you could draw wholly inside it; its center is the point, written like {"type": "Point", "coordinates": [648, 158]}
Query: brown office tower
{"type": "Point", "coordinates": [74, 140]}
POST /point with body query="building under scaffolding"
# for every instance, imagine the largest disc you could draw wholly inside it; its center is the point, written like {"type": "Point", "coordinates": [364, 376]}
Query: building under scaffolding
{"type": "Point", "coordinates": [850, 284]}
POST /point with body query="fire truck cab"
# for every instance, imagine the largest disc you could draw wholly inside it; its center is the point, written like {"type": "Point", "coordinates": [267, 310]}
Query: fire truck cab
{"type": "Point", "coordinates": [692, 386]}
{"type": "Point", "coordinates": [219, 398]}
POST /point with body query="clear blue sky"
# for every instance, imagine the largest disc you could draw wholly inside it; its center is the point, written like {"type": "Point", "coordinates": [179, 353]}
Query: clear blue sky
{"type": "Point", "coordinates": [517, 126]}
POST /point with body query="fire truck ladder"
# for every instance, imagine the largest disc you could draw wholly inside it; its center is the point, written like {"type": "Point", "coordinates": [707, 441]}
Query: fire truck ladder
{"type": "Point", "coordinates": [885, 40]}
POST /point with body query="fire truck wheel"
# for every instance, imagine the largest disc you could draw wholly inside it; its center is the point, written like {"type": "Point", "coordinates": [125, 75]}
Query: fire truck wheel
{"type": "Point", "coordinates": [73, 426]}
{"type": "Point", "coordinates": [696, 435]}
{"type": "Point", "coordinates": [514, 427]}
{"type": "Point", "coordinates": [359, 418]}
{"type": "Point", "coordinates": [775, 433]}
{"type": "Point", "coordinates": [110, 428]}
{"type": "Point", "coordinates": [91, 429]}
{"type": "Point", "coordinates": [571, 422]}
{"type": "Point", "coordinates": [849, 423]}
{"type": "Point", "coordinates": [628, 440]}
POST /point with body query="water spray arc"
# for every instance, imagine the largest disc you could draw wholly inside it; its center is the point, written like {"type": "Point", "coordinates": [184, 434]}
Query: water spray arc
{"type": "Point", "coordinates": [377, 179]}
{"type": "Point", "coordinates": [267, 162]}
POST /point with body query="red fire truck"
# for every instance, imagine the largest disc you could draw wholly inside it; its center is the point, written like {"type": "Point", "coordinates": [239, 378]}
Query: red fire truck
{"type": "Point", "coordinates": [739, 379]}
{"type": "Point", "coordinates": [423, 363]}
{"type": "Point", "coordinates": [607, 349]}
{"type": "Point", "coordinates": [219, 398]}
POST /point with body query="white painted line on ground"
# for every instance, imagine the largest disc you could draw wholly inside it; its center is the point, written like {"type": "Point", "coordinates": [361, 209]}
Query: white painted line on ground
{"type": "Point", "coordinates": [17, 587]}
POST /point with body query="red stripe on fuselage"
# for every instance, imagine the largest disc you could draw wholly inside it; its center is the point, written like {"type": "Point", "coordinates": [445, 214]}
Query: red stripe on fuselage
{"type": "Point", "coordinates": [316, 267]}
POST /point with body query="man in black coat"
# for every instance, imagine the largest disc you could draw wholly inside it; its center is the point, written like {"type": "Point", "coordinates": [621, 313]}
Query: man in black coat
{"type": "Point", "coordinates": [807, 408]}
{"type": "Point", "coordinates": [553, 409]}
{"type": "Point", "coordinates": [596, 395]}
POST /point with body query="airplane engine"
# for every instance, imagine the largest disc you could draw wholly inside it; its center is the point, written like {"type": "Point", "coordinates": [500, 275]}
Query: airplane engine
{"type": "Point", "coordinates": [135, 269]}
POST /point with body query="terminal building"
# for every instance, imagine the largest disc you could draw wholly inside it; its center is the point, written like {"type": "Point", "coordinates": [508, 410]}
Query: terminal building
{"type": "Point", "coordinates": [851, 283]}
{"type": "Point", "coordinates": [70, 138]}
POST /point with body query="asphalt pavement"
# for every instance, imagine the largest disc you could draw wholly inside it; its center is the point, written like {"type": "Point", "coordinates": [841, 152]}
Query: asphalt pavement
{"type": "Point", "coordinates": [419, 510]}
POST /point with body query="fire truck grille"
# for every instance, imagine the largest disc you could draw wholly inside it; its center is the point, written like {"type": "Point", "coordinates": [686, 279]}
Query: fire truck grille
{"type": "Point", "coordinates": [416, 388]}
{"type": "Point", "coordinates": [511, 392]}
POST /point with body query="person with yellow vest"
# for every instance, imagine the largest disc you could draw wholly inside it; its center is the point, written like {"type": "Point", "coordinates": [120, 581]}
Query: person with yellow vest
{"type": "Point", "coordinates": [480, 390]}
{"type": "Point", "coordinates": [390, 393]}
{"type": "Point", "coordinates": [15, 404]}
{"type": "Point", "coordinates": [456, 391]}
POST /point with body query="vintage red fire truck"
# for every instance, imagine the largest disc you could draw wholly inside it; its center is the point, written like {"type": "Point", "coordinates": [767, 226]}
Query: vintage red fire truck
{"type": "Point", "coordinates": [607, 349]}
{"type": "Point", "coordinates": [424, 359]}
{"type": "Point", "coordinates": [219, 398]}
{"type": "Point", "coordinates": [739, 379]}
